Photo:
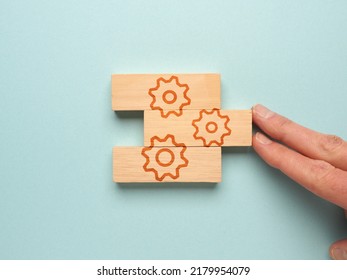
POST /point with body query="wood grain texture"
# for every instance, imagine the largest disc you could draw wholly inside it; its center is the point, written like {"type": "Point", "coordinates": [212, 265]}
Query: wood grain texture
{"type": "Point", "coordinates": [195, 164]}
{"type": "Point", "coordinates": [166, 92]}
{"type": "Point", "coordinates": [201, 127]}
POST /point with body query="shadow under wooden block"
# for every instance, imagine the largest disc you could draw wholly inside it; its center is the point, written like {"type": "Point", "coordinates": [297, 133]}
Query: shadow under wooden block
{"type": "Point", "coordinates": [129, 114]}
{"type": "Point", "coordinates": [167, 93]}
{"type": "Point", "coordinates": [200, 128]}
{"type": "Point", "coordinates": [168, 186]}
{"type": "Point", "coordinates": [166, 164]}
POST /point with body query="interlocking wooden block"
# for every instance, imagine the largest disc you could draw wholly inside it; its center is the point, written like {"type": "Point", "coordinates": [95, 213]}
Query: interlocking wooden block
{"type": "Point", "coordinates": [167, 93]}
{"type": "Point", "coordinates": [167, 164]}
{"type": "Point", "coordinates": [201, 127]}
{"type": "Point", "coordinates": [184, 127]}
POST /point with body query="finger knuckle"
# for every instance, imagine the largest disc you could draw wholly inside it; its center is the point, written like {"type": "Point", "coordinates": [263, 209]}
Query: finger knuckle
{"type": "Point", "coordinates": [321, 171]}
{"type": "Point", "coordinates": [338, 187]}
{"type": "Point", "coordinates": [276, 156]}
{"type": "Point", "coordinates": [330, 143]}
{"type": "Point", "coordinates": [283, 124]}
{"type": "Point", "coordinates": [326, 181]}
{"type": "Point", "coordinates": [275, 160]}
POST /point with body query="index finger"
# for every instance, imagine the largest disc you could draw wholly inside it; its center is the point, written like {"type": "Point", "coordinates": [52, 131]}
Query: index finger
{"type": "Point", "coordinates": [310, 143]}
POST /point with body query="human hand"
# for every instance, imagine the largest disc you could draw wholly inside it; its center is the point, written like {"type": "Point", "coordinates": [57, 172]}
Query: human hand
{"type": "Point", "coordinates": [316, 161]}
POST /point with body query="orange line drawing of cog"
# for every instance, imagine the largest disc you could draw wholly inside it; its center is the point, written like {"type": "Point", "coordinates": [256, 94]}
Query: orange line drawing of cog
{"type": "Point", "coordinates": [211, 127]}
{"type": "Point", "coordinates": [165, 162]}
{"type": "Point", "coordinates": [169, 96]}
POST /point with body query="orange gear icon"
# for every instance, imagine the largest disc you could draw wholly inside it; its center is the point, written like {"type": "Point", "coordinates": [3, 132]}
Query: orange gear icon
{"type": "Point", "coordinates": [211, 127]}
{"type": "Point", "coordinates": [165, 161]}
{"type": "Point", "coordinates": [169, 96]}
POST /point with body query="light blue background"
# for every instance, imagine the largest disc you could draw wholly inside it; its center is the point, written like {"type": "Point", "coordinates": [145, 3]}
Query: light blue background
{"type": "Point", "coordinates": [57, 198]}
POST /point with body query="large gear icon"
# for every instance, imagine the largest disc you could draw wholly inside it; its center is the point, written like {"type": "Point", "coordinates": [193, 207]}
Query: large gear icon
{"type": "Point", "coordinates": [169, 96]}
{"type": "Point", "coordinates": [211, 127]}
{"type": "Point", "coordinates": [165, 162]}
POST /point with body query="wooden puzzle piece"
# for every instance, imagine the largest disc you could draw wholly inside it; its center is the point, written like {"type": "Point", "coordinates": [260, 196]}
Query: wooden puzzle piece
{"type": "Point", "coordinates": [201, 127]}
{"type": "Point", "coordinates": [172, 163]}
{"type": "Point", "coordinates": [168, 94]}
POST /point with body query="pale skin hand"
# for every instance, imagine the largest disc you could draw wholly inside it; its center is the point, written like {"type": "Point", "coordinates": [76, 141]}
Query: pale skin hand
{"type": "Point", "coordinates": [316, 161]}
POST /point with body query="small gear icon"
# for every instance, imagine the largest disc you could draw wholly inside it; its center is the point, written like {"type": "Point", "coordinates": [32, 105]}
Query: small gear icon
{"type": "Point", "coordinates": [169, 96]}
{"type": "Point", "coordinates": [211, 127]}
{"type": "Point", "coordinates": [166, 161]}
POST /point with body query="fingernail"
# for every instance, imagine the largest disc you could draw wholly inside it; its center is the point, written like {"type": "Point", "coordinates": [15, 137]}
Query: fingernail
{"type": "Point", "coordinates": [262, 138]}
{"type": "Point", "coordinates": [339, 254]}
{"type": "Point", "coordinates": [262, 111]}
